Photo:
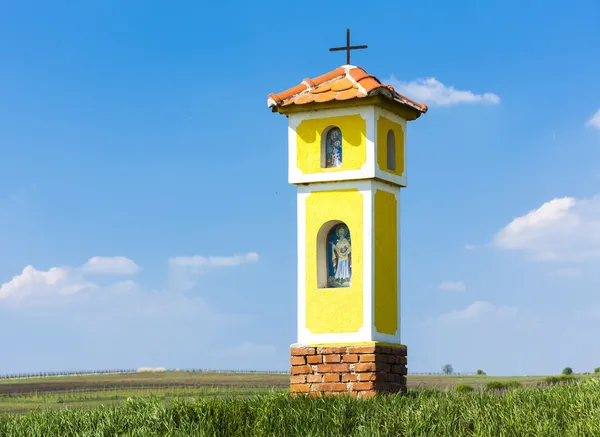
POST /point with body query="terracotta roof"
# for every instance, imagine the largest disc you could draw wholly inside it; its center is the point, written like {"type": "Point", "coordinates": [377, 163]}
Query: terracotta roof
{"type": "Point", "coordinates": [343, 83]}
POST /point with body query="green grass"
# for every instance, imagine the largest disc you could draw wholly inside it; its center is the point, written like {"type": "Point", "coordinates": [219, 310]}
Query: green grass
{"type": "Point", "coordinates": [562, 410]}
{"type": "Point", "coordinates": [463, 388]}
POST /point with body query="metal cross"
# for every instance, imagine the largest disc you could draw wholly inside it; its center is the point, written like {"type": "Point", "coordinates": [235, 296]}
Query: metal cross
{"type": "Point", "coordinates": [348, 47]}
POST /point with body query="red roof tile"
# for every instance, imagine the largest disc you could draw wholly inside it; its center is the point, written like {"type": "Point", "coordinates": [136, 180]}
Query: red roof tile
{"type": "Point", "coordinates": [343, 83]}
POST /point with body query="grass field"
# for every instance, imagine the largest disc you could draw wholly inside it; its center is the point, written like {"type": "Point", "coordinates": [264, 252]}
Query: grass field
{"type": "Point", "coordinates": [566, 410]}
{"type": "Point", "coordinates": [22, 395]}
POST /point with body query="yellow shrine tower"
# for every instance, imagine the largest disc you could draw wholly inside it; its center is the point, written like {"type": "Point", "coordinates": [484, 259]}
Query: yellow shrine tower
{"type": "Point", "coordinates": [346, 140]}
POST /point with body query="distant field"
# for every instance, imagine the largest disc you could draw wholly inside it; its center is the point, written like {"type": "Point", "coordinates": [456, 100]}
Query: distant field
{"type": "Point", "coordinates": [442, 381]}
{"type": "Point", "coordinates": [20, 395]}
{"type": "Point", "coordinates": [142, 379]}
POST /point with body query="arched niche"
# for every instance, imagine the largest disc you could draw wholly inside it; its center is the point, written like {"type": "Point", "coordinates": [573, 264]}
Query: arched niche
{"type": "Point", "coordinates": [334, 255]}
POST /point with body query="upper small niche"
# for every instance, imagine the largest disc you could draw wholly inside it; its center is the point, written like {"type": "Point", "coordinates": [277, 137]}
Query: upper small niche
{"type": "Point", "coordinates": [332, 148]}
{"type": "Point", "coordinates": [391, 150]}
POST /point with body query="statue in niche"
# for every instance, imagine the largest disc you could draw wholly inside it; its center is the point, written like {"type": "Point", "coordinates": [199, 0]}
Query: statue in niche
{"type": "Point", "coordinates": [340, 257]}
{"type": "Point", "coordinates": [333, 151]}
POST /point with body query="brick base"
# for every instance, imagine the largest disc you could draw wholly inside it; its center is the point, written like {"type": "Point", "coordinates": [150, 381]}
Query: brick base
{"type": "Point", "coordinates": [360, 371]}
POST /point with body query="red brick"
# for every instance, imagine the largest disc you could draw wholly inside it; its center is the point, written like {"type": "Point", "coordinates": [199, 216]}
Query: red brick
{"type": "Point", "coordinates": [314, 378]}
{"type": "Point", "coordinates": [396, 387]}
{"type": "Point", "coordinates": [350, 358]}
{"type": "Point", "coordinates": [391, 377]}
{"type": "Point", "coordinates": [314, 359]}
{"type": "Point", "coordinates": [299, 388]}
{"type": "Point", "coordinates": [297, 379]}
{"type": "Point", "coordinates": [361, 386]}
{"type": "Point", "coordinates": [367, 394]}
{"type": "Point", "coordinates": [333, 368]}
{"type": "Point", "coordinates": [392, 350]}
{"type": "Point", "coordinates": [331, 377]}
{"type": "Point", "coordinates": [367, 358]}
{"type": "Point", "coordinates": [383, 359]}
{"type": "Point", "coordinates": [319, 394]}
{"type": "Point", "coordinates": [332, 358]}
{"type": "Point", "coordinates": [361, 350]}
{"type": "Point", "coordinates": [370, 376]}
{"type": "Point", "coordinates": [298, 351]}
{"type": "Point", "coordinates": [333, 386]}
{"type": "Point", "coordinates": [297, 361]}
{"type": "Point", "coordinates": [364, 367]}
{"type": "Point", "coordinates": [331, 350]}
{"type": "Point", "coordinates": [301, 370]}
{"type": "Point", "coordinates": [390, 387]}
{"type": "Point", "coordinates": [382, 350]}
{"type": "Point", "coordinates": [402, 360]}
{"type": "Point", "coordinates": [349, 377]}
{"type": "Point", "coordinates": [398, 368]}
{"type": "Point", "coordinates": [383, 367]}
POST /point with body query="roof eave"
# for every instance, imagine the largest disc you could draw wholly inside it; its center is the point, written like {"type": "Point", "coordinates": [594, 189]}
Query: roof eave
{"type": "Point", "coordinates": [406, 110]}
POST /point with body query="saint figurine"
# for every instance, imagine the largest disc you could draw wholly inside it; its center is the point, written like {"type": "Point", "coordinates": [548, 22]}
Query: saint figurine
{"type": "Point", "coordinates": [336, 154]}
{"type": "Point", "coordinates": [334, 148]}
{"type": "Point", "coordinates": [341, 259]}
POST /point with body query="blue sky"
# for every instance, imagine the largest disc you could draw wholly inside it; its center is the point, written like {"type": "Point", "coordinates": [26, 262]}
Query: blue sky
{"type": "Point", "coordinates": [145, 214]}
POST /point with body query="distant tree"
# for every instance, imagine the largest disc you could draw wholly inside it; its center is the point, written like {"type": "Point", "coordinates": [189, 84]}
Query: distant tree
{"type": "Point", "coordinates": [447, 369]}
{"type": "Point", "coordinates": [480, 372]}
{"type": "Point", "coordinates": [567, 371]}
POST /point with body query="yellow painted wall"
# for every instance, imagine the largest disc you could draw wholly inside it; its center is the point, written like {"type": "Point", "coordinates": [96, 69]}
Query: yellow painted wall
{"type": "Point", "coordinates": [383, 126]}
{"type": "Point", "coordinates": [354, 143]}
{"type": "Point", "coordinates": [334, 310]}
{"type": "Point", "coordinates": [386, 262]}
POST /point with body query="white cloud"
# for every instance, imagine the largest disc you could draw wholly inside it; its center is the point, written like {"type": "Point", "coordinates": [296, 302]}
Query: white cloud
{"type": "Point", "coordinates": [110, 265]}
{"type": "Point", "coordinates": [185, 270]}
{"type": "Point", "coordinates": [452, 286]}
{"type": "Point", "coordinates": [124, 286]}
{"type": "Point", "coordinates": [45, 286]}
{"type": "Point", "coordinates": [479, 310]}
{"type": "Point", "coordinates": [432, 91]}
{"type": "Point", "coordinates": [104, 325]}
{"type": "Point", "coordinates": [563, 229]}
{"type": "Point", "coordinates": [594, 121]}
{"type": "Point", "coordinates": [214, 261]}
{"type": "Point", "coordinates": [52, 282]}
